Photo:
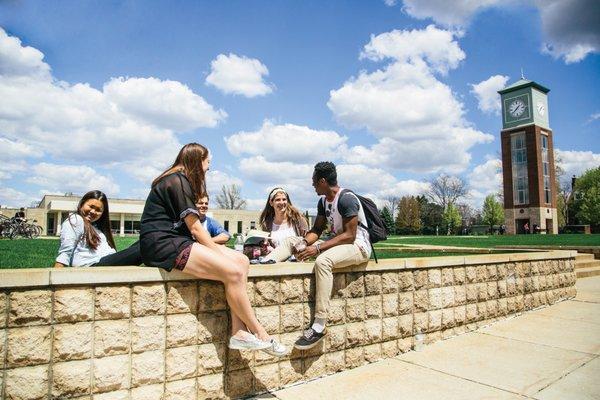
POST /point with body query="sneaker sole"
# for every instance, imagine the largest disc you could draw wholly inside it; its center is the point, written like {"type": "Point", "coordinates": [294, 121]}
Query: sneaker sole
{"type": "Point", "coordinates": [308, 346]}
{"type": "Point", "coordinates": [236, 347]}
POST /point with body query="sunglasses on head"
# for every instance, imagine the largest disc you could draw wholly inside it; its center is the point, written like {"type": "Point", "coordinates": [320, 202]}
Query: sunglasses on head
{"type": "Point", "coordinates": [328, 211]}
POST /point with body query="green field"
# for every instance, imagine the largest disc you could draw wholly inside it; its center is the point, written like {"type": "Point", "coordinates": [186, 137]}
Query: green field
{"type": "Point", "coordinates": [40, 253]}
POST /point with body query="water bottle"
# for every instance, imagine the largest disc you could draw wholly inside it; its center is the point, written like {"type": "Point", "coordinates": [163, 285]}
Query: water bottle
{"type": "Point", "coordinates": [239, 243]}
{"type": "Point", "coordinates": [419, 338]}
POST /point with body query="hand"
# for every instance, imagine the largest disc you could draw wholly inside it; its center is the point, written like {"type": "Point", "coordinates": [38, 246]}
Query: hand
{"type": "Point", "coordinates": [309, 252]}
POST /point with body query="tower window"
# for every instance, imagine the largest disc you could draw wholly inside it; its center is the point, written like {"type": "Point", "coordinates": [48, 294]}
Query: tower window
{"type": "Point", "coordinates": [519, 169]}
{"type": "Point", "coordinates": [546, 170]}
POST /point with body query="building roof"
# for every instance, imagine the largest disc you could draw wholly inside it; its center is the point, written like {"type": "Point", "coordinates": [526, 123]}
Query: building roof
{"type": "Point", "coordinates": [523, 83]}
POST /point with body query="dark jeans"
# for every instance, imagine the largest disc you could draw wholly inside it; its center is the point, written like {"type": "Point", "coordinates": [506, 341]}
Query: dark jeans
{"type": "Point", "coordinates": [129, 256]}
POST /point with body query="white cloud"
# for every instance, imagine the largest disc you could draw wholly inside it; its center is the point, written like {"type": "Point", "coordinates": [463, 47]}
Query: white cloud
{"type": "Point", "coordinates": [419, 122]}
{"type": "Point", "coordinates": [594, 117]}
{"type": "Point", "coordinates": [487, 95]}
{"type": "Point", "coordinates": [287, 142]}
{"type": "Point", "coordinates": [483, 180]}
{"type": "Point", "coordinates": [19, 60]}
{"type": "Point", "coordinates": [215, 179]}
{"type": "Point", "coordinates": [576, 162]}
{"type": "Point", "coordinates": [10, 197]}
{"type": "Point", "coordinates": [260, 170]}
{"type": "Point", "coordinates": [448, 13]}
{"type": "Point", "coordinates": [390, 3]}
{"type": "Point", "coordinates": [233, 74]}
{"type": "Point", "coordinates": [71, 178]}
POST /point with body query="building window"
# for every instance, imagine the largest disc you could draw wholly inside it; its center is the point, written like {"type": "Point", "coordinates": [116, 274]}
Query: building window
{"type": "Point", "coordinates": [226, 225]}
{"type": "Point", "coordinates": [239, 230]}
{"type": "Point", "coordinates": [252, 224]}
{"type": "Point", "coordinates": [546, 170]}
{"type": "Point", "coordinates": [115, 226]}
{"type": "Point", "coordinates": [519, 169]}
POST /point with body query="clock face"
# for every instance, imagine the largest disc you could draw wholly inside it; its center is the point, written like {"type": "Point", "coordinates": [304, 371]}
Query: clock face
{"type": "Point", "coordinates": [541, 109]}
{"type": "Point", "coordinates": [516, 108]}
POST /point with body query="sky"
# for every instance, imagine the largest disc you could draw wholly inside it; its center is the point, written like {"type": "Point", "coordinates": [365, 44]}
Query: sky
{"type": "Point", "coordinates": [103, 94]}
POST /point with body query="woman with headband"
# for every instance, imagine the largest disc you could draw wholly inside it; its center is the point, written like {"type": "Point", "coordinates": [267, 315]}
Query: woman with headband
{"type": "Point", "coordinates": [281, 218]}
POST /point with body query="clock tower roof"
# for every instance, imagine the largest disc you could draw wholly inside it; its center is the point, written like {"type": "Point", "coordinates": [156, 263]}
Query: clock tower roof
{"type": "Point", "coordinates": [523, 83]}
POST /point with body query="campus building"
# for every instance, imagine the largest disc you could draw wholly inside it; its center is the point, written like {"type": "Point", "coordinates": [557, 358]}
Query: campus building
{"type": "Point", "coordinates": [125, 215]}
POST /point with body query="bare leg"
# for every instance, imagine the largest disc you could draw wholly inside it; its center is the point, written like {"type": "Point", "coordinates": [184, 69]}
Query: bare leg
{"type": "Point", "coordinates": [212, 264]}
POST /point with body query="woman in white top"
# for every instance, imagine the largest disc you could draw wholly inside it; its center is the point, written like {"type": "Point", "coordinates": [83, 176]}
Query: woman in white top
{"type": "Point", "coordinates": [86, 239]}
{"type": "Point", "coordinates": [281, 218]}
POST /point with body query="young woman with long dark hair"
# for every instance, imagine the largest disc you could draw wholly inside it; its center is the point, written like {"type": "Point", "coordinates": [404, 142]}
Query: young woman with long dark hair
{"type": "Point", "coordinates": [172, 236]}
{"type": "Point", "coordinates": [281, 218]}
{"type": "Point", "coordinates": [86, 239]}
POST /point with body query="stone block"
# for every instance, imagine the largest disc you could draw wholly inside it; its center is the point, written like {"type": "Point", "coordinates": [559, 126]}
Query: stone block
{"type": "Point", "coordinates": [492, 308]}
{"type": "Point", "coordinates": [373, 329]}
{"type": "Point", "coordinates": [405, 281]}
{"type": "Point", "coordinates": [528, 285]}
{"type": "Point", "coordinates": [420, 323]}
{"type": "Point", "coordinates": [147, 368]}
{"type": "Point", "coordinates": [405, 325]}
{"type": "Point", "coordinates": [239, 383]}
{"type": "Point", "coordinates": [290, 371]}
{"type": "Point", "coordinates": [460, 295]}
{"type": "Point", "coordinates": [481, 273]}
{"type": "Point", "coordinates": [448, 318]}
{"type": "Point", "coordinates": [528, 300]}
{"type": "Point", "coordinates": [72, 341]}
{"type": "Point", "coordinates": [472, 293]}
{"type": "Point", "coordinates": [235, 359]}
{"type": "Point", "coordinates": [292, 317]}
{"type": "Point", "coordinates": [520, 284]}
{"type": "Point", "coordinates": [148, 299]}
{"type": "Point", "coordinates": [181, 363]}
{"type": "Point", "coordinates": [471, 274]}
{"type": "Point", "coordinates": [182, 297]}
{"type": "Point", "coordinates": [73, 305]}
{"type": "Point", "coordinates": [520, 302]}
{"type": "Point", "coordinates": [435, 299]}
{"type": "Point", "coordinates": [355, 334]}
{"type": "Point", "coordinates": [337, 312]}
{"type": "Point", "coordinates": [389, 329]}
{"type": "Point", "coordinates": [471, 313]}
{"type": "Point", "coordinates": [460, 315]}
{"type": "Point", "coordinates": [420, 279]}
{"type": "Point", "coordinates": [372, 284]}
{"type": "Point", "coordinates": [71, 379]}
{"type": "Point", "coordinates": [522, 269]}
{"type": "Point", "coordinates": [3, 309]}
{"type": "Point", "coordinates": [111, 337]}
{"type": "Point", "coordinates": [266, 377]}
{"type": "Point", "coordinates": [502, 290]}
{"type": "Point", "coordinates": [180, 390]}
{"type": "Point", "coordinates": [29, 383]}
{"type": "Point", "coordinates": [355, 309]}
{"type": "Point", "coordinates": [390, 305]}
{"type": "Point", "coordinates": [211, 296]}
{"type": "Point", "coordinates": [31, 307]}
{"type": "Point", "coordinates": [482, 311]}
{"type": "Point", "coordinates": [434, 278]}
{"type": "Point", "coordinates": [292, 289]}
{"type": "Point", "coordinates": [421, 300]}
{"type": "Point", "coordinates": [111, 373]}
{"type": "Point", "coordinates": [492, 272]}
{"type": "Point", "coordinates": [405, 302]}
{"type": "Point", "coordinates": [389, 282]}
{"type": "Point", "coordinates": [212, 327]}
{"type": "Point", "coordinates": [315, 367]}
{"type": "Point", "coordinates": [492, 290]}
{"type": "Point", "coordinates": [482, 291]}
{"type": "Point", "coordinates": [354, 357]}
{"type": "Point", "coordinates": [148, 333]}
{"type": "Point", "coordinates": [459, 275]}
{"type": "Point", "coordinates": [211, 358]}
{"type": "Point", "coordinates": [372, 352]}
{"type": "Point", "coordinates": [355, 285]}
{"type": "Point", "coordinates": [210, 387]}
{"type": "Point", "coordinates": [309, 286]}
{"type": "Point", "coordinates": [28, 346]}
{"type": "Point", "coordinates": [373, 307]}
{"type": "Point", "coordinates": [336, 362]}
{"type": "Point", "coordinates": [150, 392]}
{"type": "Point", "coordinates": [266, 292]}
{"type": "Point", "coordinates": [405, 344]}
{"type": "Point", "coordinates": [112, 302]}
{"type": "Point", "coordinates": [435, 320]}
{"type": "Point", "coordinates": [447, 277]}
{"type": "Point", "coordinates": [269, 318]}
{"type": "Point", "coordinates": [181, 330]}
{"type": "Point", "coordinates": [433, 337]}
{"type": "Point", "coordinates": [501, 271]}
{"type": "Point", "coordinates": [389, 349]}
{"type": "Point", "coordinates": [336, 337]}
{"type": "Point", "coordinates": [3, 334]}
{"type": "Point", "coordinates": [338, 291]}
{"type": "Point", "coordinates": [511, 305]}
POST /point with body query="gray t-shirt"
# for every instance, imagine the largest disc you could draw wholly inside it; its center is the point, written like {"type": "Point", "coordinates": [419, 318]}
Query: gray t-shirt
{"type": "Point", "coordinates": [348, 206]}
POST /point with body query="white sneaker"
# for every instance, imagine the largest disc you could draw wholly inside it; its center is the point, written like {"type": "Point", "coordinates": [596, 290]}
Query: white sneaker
{"type": "Point", "coordinates": [276, 349]}
{"type": "Point", "coordinates": [250, 343]}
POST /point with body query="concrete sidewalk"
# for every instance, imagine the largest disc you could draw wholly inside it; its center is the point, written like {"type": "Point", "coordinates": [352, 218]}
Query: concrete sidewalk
{"type": "Point", "coordinates": [552, 353]}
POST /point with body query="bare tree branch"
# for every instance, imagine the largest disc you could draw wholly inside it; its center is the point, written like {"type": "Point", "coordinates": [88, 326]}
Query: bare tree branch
{"type": "Point", "coordinates": [445, 190]}
{"type": "Point", "coordinates": [230, 198]}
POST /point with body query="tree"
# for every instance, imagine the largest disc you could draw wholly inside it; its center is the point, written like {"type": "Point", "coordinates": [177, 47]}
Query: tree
{"type": "Point", "coordinates": [587, 197]}
{"type": "Point", "coordinates": [493, 213]}
{"type": "Point", "coordinates": [230, 198]}
{"type": "Point", "coordinates": [451, 219]}
{"type": "Point", "coordinates": [563, 192]}
{"type": "Point", "coordinates": [408, 221]}
{"type": "Point", "coordinates": [430, 216]}
{"type": "Point", "coordinates": [386, 216]}
{"type": "Point", "coordinates": [445, 190]}
{"type": "Point", "coordinates": [392, 203]}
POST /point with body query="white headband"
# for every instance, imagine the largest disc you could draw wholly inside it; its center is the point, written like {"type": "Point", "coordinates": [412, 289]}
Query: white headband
{"type": "Point", "coordinates": [275, 191]}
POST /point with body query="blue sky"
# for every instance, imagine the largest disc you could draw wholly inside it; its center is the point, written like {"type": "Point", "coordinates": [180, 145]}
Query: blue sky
{"type": "Point", "coordinates": [101, 95]}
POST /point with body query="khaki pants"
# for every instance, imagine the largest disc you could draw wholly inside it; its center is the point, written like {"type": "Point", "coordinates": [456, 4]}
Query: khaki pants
{"type": "Point", "coordinates": [343, 255]}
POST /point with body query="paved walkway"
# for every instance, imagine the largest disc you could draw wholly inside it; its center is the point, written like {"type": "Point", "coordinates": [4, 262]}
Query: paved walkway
{"type": "Point", "coordinates": [552, 353]}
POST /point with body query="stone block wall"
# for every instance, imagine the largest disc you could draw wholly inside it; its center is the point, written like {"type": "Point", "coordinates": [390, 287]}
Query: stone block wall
{"type": "Point", "coordinates": [165, 335]}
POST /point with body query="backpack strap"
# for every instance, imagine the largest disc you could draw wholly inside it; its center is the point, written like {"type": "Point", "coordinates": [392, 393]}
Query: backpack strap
{"type": "Point", "coordinates": [360, 223]}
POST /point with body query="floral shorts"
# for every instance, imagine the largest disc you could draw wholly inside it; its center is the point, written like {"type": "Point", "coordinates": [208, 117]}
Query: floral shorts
{"type": "Point", "coordinates": [182, 258]}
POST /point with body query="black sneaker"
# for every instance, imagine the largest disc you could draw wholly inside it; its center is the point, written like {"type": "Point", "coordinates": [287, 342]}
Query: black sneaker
{"type": "Point", "coordinates": [309, 339]}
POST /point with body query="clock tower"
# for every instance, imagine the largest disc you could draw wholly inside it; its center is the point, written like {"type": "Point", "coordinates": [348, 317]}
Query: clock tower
{"type": "Point", "coordinates": [527, 159]}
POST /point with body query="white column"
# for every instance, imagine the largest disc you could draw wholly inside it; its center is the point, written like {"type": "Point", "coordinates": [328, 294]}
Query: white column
{"type": "Point", "coordinates": [58, 222]}
{"type": "Point", "coordinates": [122, 231]}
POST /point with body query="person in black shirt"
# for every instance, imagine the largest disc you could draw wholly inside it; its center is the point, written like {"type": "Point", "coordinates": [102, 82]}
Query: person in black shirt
{"type": "Point", "coordinates": [20, 215]}
{"type": "Point", "coordinates": [172, 236]}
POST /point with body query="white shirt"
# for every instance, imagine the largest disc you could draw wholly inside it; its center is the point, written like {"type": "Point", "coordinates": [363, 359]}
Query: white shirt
{"type": "Point", "coordinates": [281, 232]}
{"type": "Point", "coordinates": [336, 221]}
{"type": "Point", "coordinates": [71, 239]}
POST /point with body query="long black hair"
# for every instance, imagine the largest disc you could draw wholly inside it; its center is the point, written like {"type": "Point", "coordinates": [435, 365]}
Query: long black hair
{"type": "Point", "coordinates": [103, 223]}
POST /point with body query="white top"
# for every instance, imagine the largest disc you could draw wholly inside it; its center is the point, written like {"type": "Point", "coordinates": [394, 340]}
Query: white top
{"type": "Point", "coordinates": [281, 232]}
{"type": "Point", "coordinates": [71, 235]}
{"type": "Point", "coordinates": [335, 220]}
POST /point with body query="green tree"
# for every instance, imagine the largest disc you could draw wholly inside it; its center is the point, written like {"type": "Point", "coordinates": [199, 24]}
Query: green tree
{"type": "Point", "coordinates": [452, 220]}
{"type": "Point", "coordinates": [430, 215]}
{"type": "Point", "coordinates": [493, 213]}
{"type": "Point", "coordinates": [386, 216]}
{"type": "Point", "coordinates": [408, 221]}
{"type": "Point", "coordinates": [587, 197]}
